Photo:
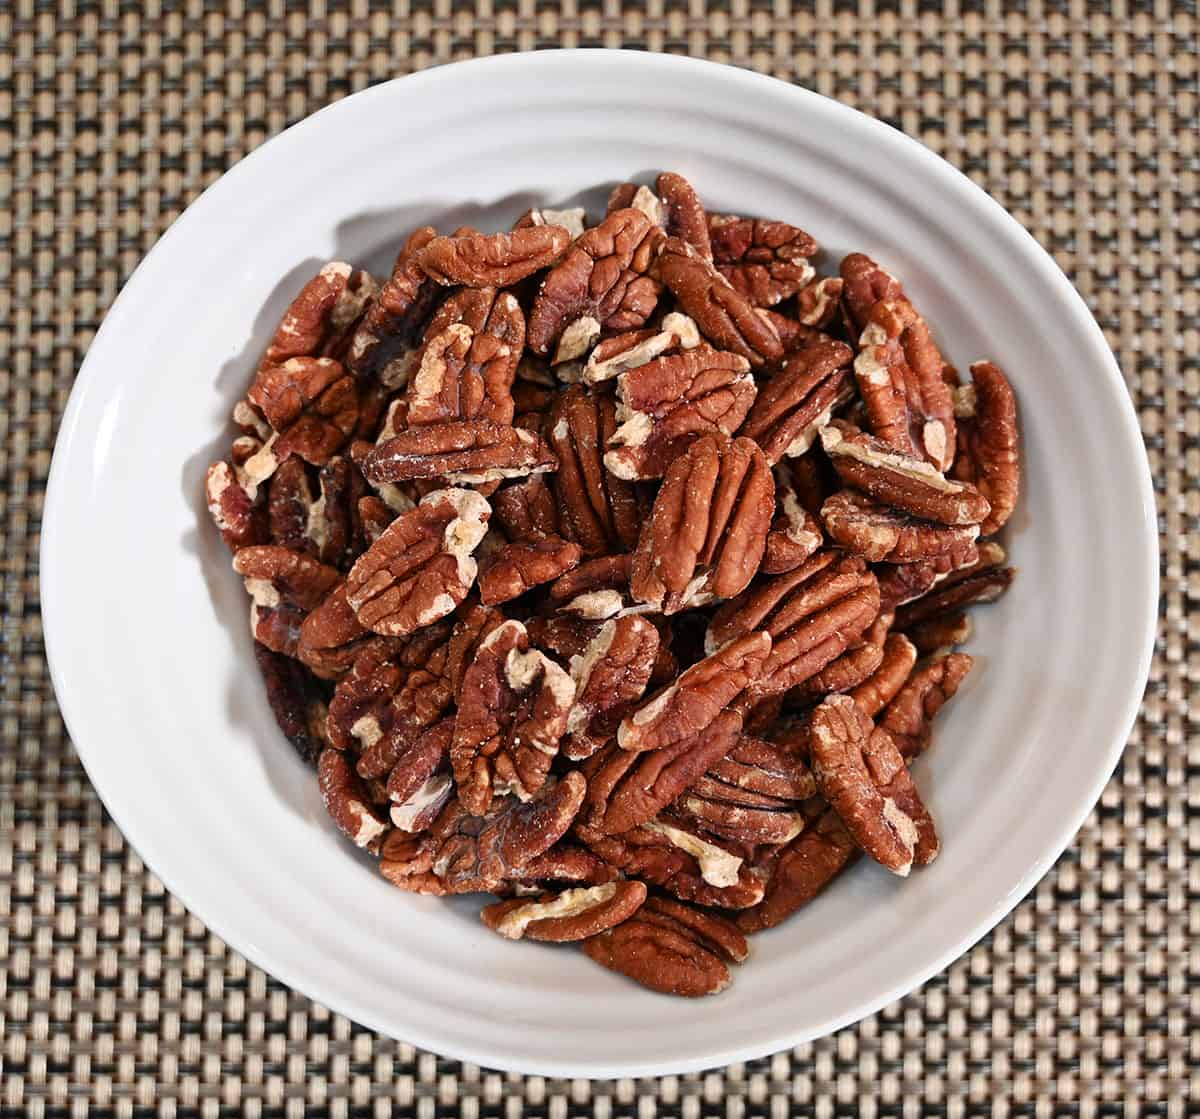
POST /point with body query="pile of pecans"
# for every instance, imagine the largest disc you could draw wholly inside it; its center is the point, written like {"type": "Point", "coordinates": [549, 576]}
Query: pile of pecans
{"type": "Point", "coordinates": [617, 570]}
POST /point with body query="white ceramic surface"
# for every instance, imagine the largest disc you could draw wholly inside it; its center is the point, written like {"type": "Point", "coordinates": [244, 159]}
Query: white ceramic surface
{"type": "Point", "coordinates": [146, 624]}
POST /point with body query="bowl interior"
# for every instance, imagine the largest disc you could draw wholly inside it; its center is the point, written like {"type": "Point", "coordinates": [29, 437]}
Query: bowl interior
{"type": "Point", "coordinates": [146, 622]}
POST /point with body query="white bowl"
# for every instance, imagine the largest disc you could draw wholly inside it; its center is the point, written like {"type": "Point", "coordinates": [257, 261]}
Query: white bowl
{"type": "Point", "coordinates": [146, 623]}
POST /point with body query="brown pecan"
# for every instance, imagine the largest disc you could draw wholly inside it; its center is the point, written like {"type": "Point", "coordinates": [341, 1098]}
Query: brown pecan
{"type": "Point", "coordinates": [909, 715]}
{"type": "Point", "coordinates": [699, 697]}
{"type": "Point", "coordinates": [622, 352]}
{"type": "Point", "coordinates": [683, 213]}
{"type": "Point", "coordinates": [321, 316]}
{"type": "Point", "coordinates": [601, 283]}
{"type": "Point", "coordinates": [866, 284]}
{"type": "Point", "coordinates": [464, 452]}
{"type": "Point", "coordinates": [879, 534]}
{"type": "Point", "coordinates": [900, 480]}
{"type": "Point", "coordinates": [801, 870]}
{"type": "Point", "coordinates": [899, 373]}
{"type": "Point", "coordinates": [570, 915]}
{"type": "Point", "coordinates": [312, 404]}
{"type": "Point", "coordinates": [799, 400]}
{"type": "Point", "coordinates": [988, 443]}
{"type": "Point", "coordinates": [332, 638]}
{"type": "Point", "coordinates": [903, 582]}
{"type": "Point", "coordinates": [361, 711]}
{"type": "Point", "coordinates": [630, 195]}
{"type": "Point", "coordinates": [512, 710]}
{"type": "Point", "coordinates": [373, 516]}
{"type": "Point", "coordinates": [611, 673]}
{"type": "Point", "coordinates": [420, 783]}
{"type": "Point", "coordinates": [723, 315]}
{"type": "Point", "coordinates": [525, 508]}
{"type": "Point", "coordinates": [421, 568]}
{"type": "Point", "coordinates": [232, 507]}
{"type": "Point", "coordinates": [295, 701]}
{"type": "Point", "coordinates": [708, 529]}
{"type": "Point", "coordinates": [565, 862]}
{"type": "Point", "coordinates": [818, 302]}
{"type": "Point", "coordinates": [348, 802]}
{"type": "Point", "coordinates": [793, 335]}
{"type": "Point", "coordinates": [499, 260]}
{"type": "Point", "coordinates": [389, 330]}
{"type": "Point", "coordinates": [524, 564]}
{"type": "Point", "coordinates": [766, 261]}
{"type": "Point", "coordinates": [969, 586]}
{"type": "Point", "coordinates": [853, 667]}
{"type": "Point", "coordinates": [795, 534]}
{"type": "Point", "coordinates": [671, 949]}
{"type": "Point", "coordinates": [320, 526]}
{"type": "Point", "coordinates": [466, 364]}
{"type": "Point", "coordinates": [813, 614]}
{"type": "Point", "coordinates": [597, 510]}
{"type": "Point", "coordinates": [283, 585]}
{"type": "Point", "coordinates": [668, 403]}
{"type": "Point", "coordinates": [864, 778]}
{"type": "Point", "coordinates": [878, 689]}
{"type": "Point", "coordinates": [941, 633]}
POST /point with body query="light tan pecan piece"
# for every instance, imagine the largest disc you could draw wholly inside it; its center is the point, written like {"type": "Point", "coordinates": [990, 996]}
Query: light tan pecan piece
{"type": "Point", "coordinates": [573, 220]}
{"type": "Point", "coordinates": [795, 534]}
{"type": "Point", "coordinates": [480, 260]}
{"type": "Point", "coordinates": [463, 452]}
{"type": "Point", "coordinates": [883, 535]}
{"type": "Point", "coordinates": [896, 479]}
{"type": "Point", "coordinates": [625, 196]}
{"type": "Point", "coordinates": [420, 783]}
{"type": "Point", "coordinates": [989, 442]}
{"type": "Point", "coordinates": [283, 585]}
{"type": "Point", "coordinates": [295, 701]}
{"type": "Point", "coordinates": [766, 261]}
{"type": "Point", "coordinates": [861, 773]}
{"type": "Point", "coordinates": [866, 284]}
{"type": "Point", "coordinates": [908, 717]}
{"type": "Point", "coordinates": [622, 352]}
{"type": "Point", "coordinates": [900, 376]}
{"type": "Point", "coordinates": [234, 508]}
{"type": "Point", "coordinates": [512, 710]}
{"type": "Point", "coordinates": [467, 362]}
{"type": "Point", "coordinates": [940, 634]}
{"type": "Point", "coordinates": [596, 509]}
{"type": "Point", "coordinates": [683, 212]}
{"type": "Point", "coordinates": [610, 674]}
{"type": "Point", "coordinates": [525, 508]}
{"type": "Point", "coordinates": [421, 568]}
{"type": "Point", "coordinates": [600, 283]}
{"type": "Point", "coordinates": [723, 314]}
{"type": "Point", "coordinates": [574, 914]}
{"type": "Point", "coordinates": [699, 697]}
{"type": "Point", "coordinates": [900, 583]}
{"type": "Point", "coordinates": [668, 403]}
{"type": "Point", "coordinates": [524, 564]}
{"type": "Point", "coordinates": [878, 689]}
{"type": "Point", "coordinates": [798, 401]}
{"type": "Point", "coordinates": [978, 583]}
{"type": "Point", "coordinates": [819, 301]}
{"type": "Point", "coordinates": [348, 802]}
{"type": "Point", "coordinates": [671, 949]}
{"type": "Point", "coordinates": [856, 665]}
{"type": "Point", "coordinates": [320, 318]}
{"type": "Point", "coordinates": [801, 870]}
{"type": "Point", "coordinates": [706, 534]}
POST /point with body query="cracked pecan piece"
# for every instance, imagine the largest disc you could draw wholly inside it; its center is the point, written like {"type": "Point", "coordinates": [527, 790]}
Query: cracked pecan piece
{"type": "Point", "coordinates": [765, 261]}
{"type": "Point", "coordinates": [908, 717]}
{"type": "Point", "coordinates": [940, 634]}
{"type": "Point", "coordinates": [332, 638]}
{"type": "Point", "coordinates": [879, 688]}
{"type": "Point", "coordinates": [899, 480]}
{"type": "Point", "coordinates": [622, 352]}
{"type": "Point", "coordinates": [798, 401]}
{"type": "Point", "coordinates": [574, 914]}
{"type": "Point", "coordinates": [283, 585]}
{"type": "Point", "coordinates": [497, 260]}
{"type": "Point", "coordinates": [597, 510]}
{"type": "Point", "coordinates": [467, 362]}
{"type": "Point", "coordinates": [574, 220]}
{"type": "Point", "coordinates": [524, 564]}
{"type": "Point", "coordinates": [988, 442]}
{"type": "Point", "coordinates": [672, 949]}
{"type": "Point", "coordinates": [513, 707]}
{"type": "Point", "coordinates": [899, 371]}
{"type": "Point", "coordinates": [683, 214]}
{"type": "Point", "coordinates": [882, 535]}
{"type": "Point", "coordinates": [421, 567]}
{"type": "Point", "coordinates": [461, 452]}
{"type": "Point", "coordinates": [320, 318]}
{"type": "Point", "coordinates": [525, 508]}
{"type": "Point", "coordinates": [668, 403]}
{"type": "Point", "coordinates": [240, 518]}
{"type": "Point", "coordinates": [597, 589]}
{"type": "Point", "coordinates": [348, 802]}
{"type": "Point", "coordinates": [862, 774]}
{"type": "Point", "coordinates": [625, 196]}
{"type": "Point", "coordinates": [707, 532]}
{"type": "Point", "coordinates": [981, 582]}
{"type": "Point", "coordinates": [324, 525]}
{"type": "Point", "coordinates": [565, 862]}
{"type": "Point", "coordinates": [600, 283]}
{"type": "Point", "coordinates": [900, 583]}
{"type": "Point", "coordinates": [865, 283]}
{"type": "Point", "coordinates": [819, 301]}
{"type": "Point", "coordinates": [795, 534]}
{"type": "Point", "coordinates": [295, 701]}
{"type": "Point", "coordinates": [420, 784]}
{"type": "Point", "coordinates": [723, 314]}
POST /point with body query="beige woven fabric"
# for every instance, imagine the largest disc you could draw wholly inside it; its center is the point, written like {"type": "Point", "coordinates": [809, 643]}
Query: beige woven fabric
{"type": "Point", "coordinates": [1081, 119]}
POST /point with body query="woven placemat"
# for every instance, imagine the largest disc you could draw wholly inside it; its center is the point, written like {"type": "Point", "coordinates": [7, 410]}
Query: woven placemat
{"type": "Point", "coordinates": [1080, 118]}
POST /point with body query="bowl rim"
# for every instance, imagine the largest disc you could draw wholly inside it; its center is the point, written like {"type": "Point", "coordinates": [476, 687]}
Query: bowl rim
{"type": "Point", "coordinates": [156, 857]}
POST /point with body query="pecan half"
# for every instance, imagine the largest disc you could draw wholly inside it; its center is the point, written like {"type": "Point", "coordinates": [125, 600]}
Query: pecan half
{"type": "Point", "coordinates": [295, 701]}
{"type": "Point", "coordinates": [633, 348]}
{"type": "Point", "coordinates": [900, 376]}
{"type": "Point", "coordinates": [866, 284]}
{"type": "Point", "coordinates": [525, 508]}
{"type": "Point", "coordinates": [863, 776]}
{"type": "Point", "coordinates": [900, 480]}
{"type": "Point", "coordinates": [312, 405]}
{"type": "Point", "coordinates": [708, 529]}
{"type": "Point", "coordinates": [766, 261]}
{"type": "Point", "coordinates": [904, 582]}
{"type": "Point", "coordinates": [988, 442]}
{"type": "Point", "coordinates": [969, 586]}
{"type": "Point", "coordinates": [284, 586]}
{"type": "Point", "coordinates": [795, 534]}
{"type": "Point", "coordinates": [347, 801]}
{"type": "Point", "coordinates": [723, 315]}
{"type": "Point", "coordinates": [421, 567]}
{"type": "Point", "coordinates": [856, 665]}
{"type": "Point", "coordinates": [908, 717]}
{"type": "Point", "coordinates": [524, 564]}
{"type": "Point", "coordinates": [865, 528]}
{"type": "Point", "coordinates": [319, 319]}
{"type": "Point", "coordinates": [512, 710]}
{"type": "Point", "coordinates": [597, 589]}
{"type": "Point", "coordinates": [233, 507]}
{"type": "Point", "coordinates": [875, 692]}
{"type": "Point", "coordinates": [480, 260]}
{"type": "Point", "coordinates": [420, 784]}
{"type": "Point", "coordinates": [818, 302]}
{"type": "Point", "coordinates": [683, 213]}
{"type": "Point", "coordinates": [570, 915]}
{"type": "Point", "coordinates": [464, 452]}
{"type": "Point", "coordinates": [669, 402]}
{"type": "Point", "coordinates": [671, 949]}
{"type": "Point", "coordinates": [600, 283]}
{"type": "Point", "coordinates": [940, 634]}
{"type": "Point", "coordinates": [799, 400]}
